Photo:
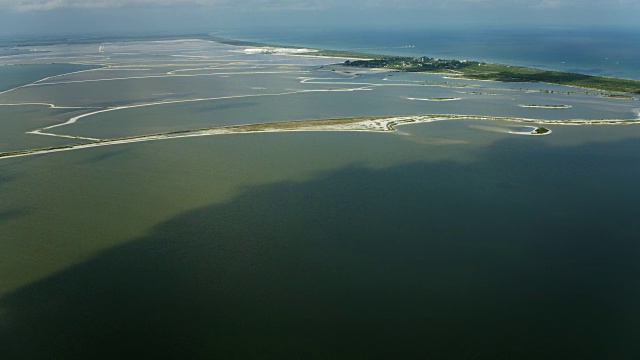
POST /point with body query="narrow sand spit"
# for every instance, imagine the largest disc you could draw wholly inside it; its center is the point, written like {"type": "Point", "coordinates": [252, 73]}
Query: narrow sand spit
{"type": "Point", "coordinates": [366, 124]}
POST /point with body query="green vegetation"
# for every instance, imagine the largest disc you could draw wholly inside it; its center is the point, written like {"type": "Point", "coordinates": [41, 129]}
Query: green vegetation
{"type": "Point", "coordinates": [617, 96]}
{"type": "Point", "coordinates": [481, 93]}
{"type": "Point", "coordinates": [422, 64]}
{"type": "Point", "coordinates": [499, 72]}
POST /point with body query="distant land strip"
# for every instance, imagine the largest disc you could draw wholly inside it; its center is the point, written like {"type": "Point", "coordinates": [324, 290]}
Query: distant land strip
{"type": "Point", "coordinates": [498, 72]}
{"type": "Point", "coordinates": [460, 68]}
{"type": "Point", "coordinates": [464, 69]}
{"type": "Point", "coordinates": [316, 52]}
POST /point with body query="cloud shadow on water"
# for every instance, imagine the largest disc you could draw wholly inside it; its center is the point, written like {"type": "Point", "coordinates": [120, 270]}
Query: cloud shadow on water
{"type": "Point", "coordinates": [12, 214]}
{"type": "Point", "coordinates": [106, 155]}
{"type": "Point", "coordinates": [203, 108]}
{"type": "Point", "coordinates": [425, 259]}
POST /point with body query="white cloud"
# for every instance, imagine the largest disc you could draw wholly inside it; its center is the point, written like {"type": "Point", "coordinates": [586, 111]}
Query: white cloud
{"type": "Point", "coordinates": [44, 5]}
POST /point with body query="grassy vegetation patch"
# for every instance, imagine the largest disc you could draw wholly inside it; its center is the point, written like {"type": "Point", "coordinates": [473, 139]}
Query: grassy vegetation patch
{"type": "Point", "coordinates": [499, 72]}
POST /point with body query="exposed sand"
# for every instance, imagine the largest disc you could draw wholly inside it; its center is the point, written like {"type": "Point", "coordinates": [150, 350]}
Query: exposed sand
{"type": "Point", "coordinates": [545, 106]}
{"type": "Point", "coordinates": [277, 51]}
{"type": "Point", "coordinates": [434, 99]}
{"type": "Point", "coordinates": [368, 124]}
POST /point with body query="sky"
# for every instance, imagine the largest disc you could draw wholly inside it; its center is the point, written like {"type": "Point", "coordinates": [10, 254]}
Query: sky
{"type": "Point", "coordinates": [52, 17]}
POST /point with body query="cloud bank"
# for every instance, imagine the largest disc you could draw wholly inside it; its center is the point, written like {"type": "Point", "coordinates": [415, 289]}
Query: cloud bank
{"type": "Point", "coordinates": [46, 5]}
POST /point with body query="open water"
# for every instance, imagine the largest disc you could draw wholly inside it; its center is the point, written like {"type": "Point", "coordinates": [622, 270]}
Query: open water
{"type": "Point", "coordinates": [595, 51]}
{"type": "Point", "coordinates": [443, 240]}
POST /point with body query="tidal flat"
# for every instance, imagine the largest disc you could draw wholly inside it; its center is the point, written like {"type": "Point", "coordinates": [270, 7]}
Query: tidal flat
{"type": "Point", "coordinates": [142, 88]}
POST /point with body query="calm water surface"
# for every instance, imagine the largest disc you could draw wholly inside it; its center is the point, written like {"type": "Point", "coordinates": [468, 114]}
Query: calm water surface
{"type": "Point", "coordinates": [448, 241]}
{"type": "Point", "coordinates": [452, 240]}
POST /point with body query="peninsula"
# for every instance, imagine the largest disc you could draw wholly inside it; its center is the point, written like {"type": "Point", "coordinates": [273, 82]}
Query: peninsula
{"type": "Point", "coordinates": [475, 70]}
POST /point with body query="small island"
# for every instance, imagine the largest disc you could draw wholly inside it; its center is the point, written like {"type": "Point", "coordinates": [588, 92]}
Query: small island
{"type": "Point", "coordinates": [618, 96]}
{"type": "Point", "coordinates": [530, 130]}
{"type": "Point", "coordinates": [434, 99]}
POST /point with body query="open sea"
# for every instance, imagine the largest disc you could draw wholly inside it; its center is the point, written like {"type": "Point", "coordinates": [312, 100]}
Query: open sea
{"type": "Point", "coordinates": [444, 240]}
{"type": "Point", "coordinates": [593, 51]}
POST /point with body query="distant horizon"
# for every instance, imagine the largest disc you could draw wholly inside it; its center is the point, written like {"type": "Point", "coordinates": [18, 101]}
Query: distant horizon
{"type": "Point", "coordinates": [99, 33]}
{"type": "Point", "coordinates": [67, 17]}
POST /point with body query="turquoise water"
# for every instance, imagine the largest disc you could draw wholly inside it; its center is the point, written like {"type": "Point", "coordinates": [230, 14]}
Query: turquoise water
{"type": "Point", "coordinates": [450, 240]}
{"type": "Point", "coordinates": [589, 50]}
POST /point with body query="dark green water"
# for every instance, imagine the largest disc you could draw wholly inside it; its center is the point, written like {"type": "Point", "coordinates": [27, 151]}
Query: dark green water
{"type": "Point", "coordinates": [331, 245]}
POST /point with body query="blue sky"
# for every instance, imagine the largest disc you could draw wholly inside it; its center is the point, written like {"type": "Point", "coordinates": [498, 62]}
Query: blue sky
{"type": "Point", "coordinates": [95, 16]}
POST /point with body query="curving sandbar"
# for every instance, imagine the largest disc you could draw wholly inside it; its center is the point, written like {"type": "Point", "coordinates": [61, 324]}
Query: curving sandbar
{"type": "Point", "coordinates": [545, 106]}
{"type": "Point", "coordinates": [434, 99]}
{"type": "Point", "coordinates": [369, 124]}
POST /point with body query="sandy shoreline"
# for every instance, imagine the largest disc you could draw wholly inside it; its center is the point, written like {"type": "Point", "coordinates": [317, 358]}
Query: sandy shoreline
{"type": "Point", "coordinates": [361, 124]}
{"type": "Point", "coordinates": [434, 99]}
{"type": "Point", "coordinates": [545, 106]}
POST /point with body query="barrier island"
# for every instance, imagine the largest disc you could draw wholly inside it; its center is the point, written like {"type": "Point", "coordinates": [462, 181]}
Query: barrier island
{"type": "Point", "coordinates": [498, 72]}
{"type": "Point", "coordinates": [475, 70]}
